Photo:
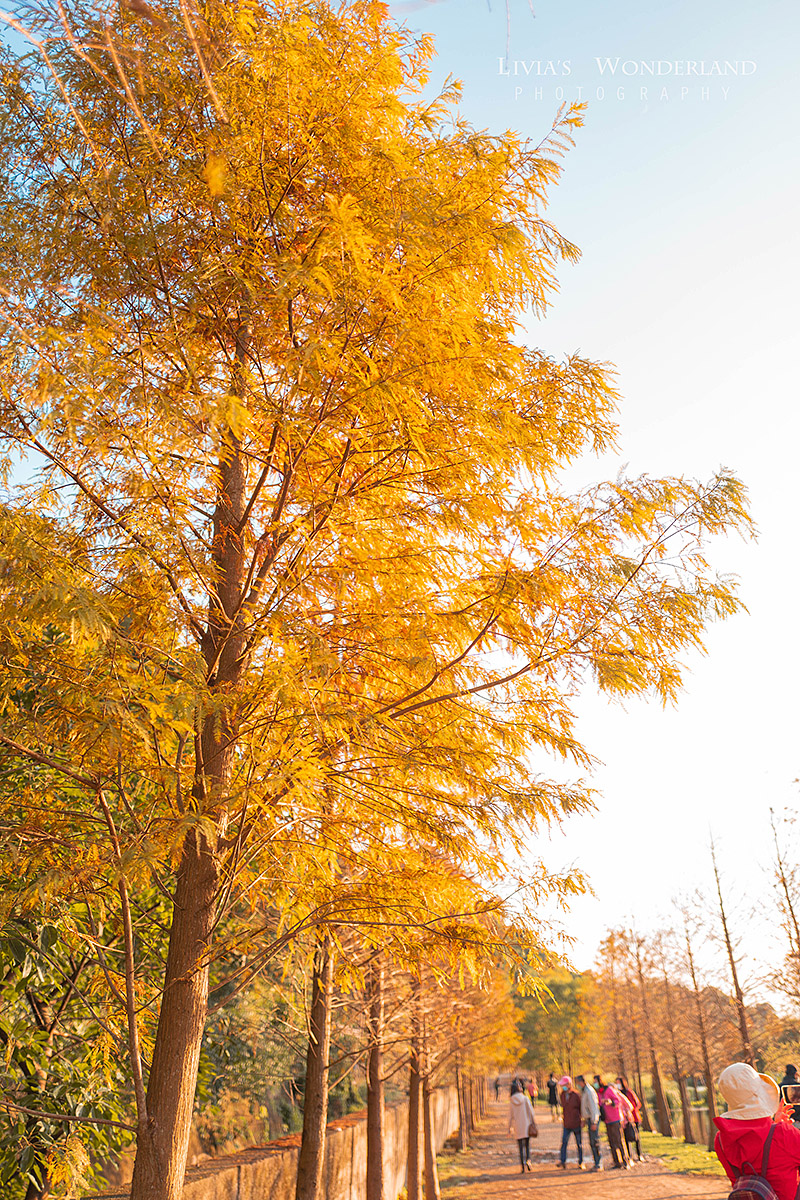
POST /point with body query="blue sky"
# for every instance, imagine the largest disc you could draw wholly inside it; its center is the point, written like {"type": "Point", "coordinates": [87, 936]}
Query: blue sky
{"type": "Point", "coordinates": [684, 205]}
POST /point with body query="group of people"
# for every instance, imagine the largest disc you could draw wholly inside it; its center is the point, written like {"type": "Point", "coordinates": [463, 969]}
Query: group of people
{"type": "Point", "coordinates": [582, 1105]}
{"type": "Point", "coordinates": [758, 1135]}
{"type": "Point", "coordinates": [588, 1105]}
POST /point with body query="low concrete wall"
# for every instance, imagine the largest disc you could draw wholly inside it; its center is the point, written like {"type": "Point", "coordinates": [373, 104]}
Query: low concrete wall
{"type": "Point", "coordinates": [269, 1172]}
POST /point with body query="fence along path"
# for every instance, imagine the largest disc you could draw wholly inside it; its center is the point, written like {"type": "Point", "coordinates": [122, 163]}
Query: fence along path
{"type": "Point", "coordinates": [490, 1169]}
{"type": "Point", "coordinates": [270, 1172]}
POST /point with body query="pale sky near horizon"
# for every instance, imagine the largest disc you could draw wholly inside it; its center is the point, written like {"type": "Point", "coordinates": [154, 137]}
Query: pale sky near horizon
{"type": "Point", "coordinates": [683, 201]}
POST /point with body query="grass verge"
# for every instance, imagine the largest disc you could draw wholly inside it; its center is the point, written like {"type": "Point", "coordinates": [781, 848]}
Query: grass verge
{"type": "Point", "coordinates": [678, 1156]}
{"type": "Point", "coordinates": [451, 1168]}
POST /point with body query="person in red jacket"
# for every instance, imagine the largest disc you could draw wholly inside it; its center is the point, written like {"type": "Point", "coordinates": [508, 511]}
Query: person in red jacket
{"type": "Point", "coordinates": [754, 1108]}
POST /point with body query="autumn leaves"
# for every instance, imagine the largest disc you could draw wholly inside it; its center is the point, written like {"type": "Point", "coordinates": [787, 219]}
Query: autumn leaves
{"type": "Point", "coordinates": [300, 601]}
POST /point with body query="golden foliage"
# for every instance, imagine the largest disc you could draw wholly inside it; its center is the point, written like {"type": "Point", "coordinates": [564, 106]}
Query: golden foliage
{"type": "Point", "coordinates": [290, 575]}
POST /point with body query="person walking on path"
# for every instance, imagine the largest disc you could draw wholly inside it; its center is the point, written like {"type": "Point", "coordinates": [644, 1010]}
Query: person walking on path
{"type": "Point", "coordinates": [552, 1096]}
{"type": "Point", "coordinates": [570, 1101]}
{"type": "Point", "coordinates": [590, 1114]}
{"type": "Point", "coordinates": [756, 1134]}
{"type": "Point", "coordinates": [522, 1123]}
{"type": "Point", "coordinates": [631, 1131]}
{"type": "Point", "coordinates": [611, 1106]}
{"type": "Point", "coordinates": [497, 1089]}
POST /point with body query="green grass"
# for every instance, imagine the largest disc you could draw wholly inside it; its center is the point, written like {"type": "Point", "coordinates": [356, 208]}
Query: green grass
{"type": "Point", "coordinates": [450, 1167]}
{"type": "Point", "coordinates": [677, 1156]}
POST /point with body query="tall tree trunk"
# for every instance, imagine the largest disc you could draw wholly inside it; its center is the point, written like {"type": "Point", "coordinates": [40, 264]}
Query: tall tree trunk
{"type": "Point", "coordinates": [747, 1046]}
{"type": "Point", "coordinates": [623, 1070]}
{"type": "Point", "coordinates": [161, 1153]}
{"type": "Point", "coordinates": [662, 1104]}
{"type": "Point", "coordinates": [311, 1161]}
{"type": "Point", "coordinates": [792, 925]}
{"type": "Point", "coordinates": [711, 1095]}
{"type": "Point", "coordinates": [415, 1138]}
{"type": "Point", "coordinates": [35, 1083]}
{"type": "Point", "coordinates": [463, 1136]}
{"type": "Point", "coordinates": [664, 1115]}
{"type": "Point", "coordinates": [273, 1115]}
{"type": "Point", "coordinates": [647, 1123]}
{"type": "Point", "coordinates": [688, 1129]}
{"type": "Point", "coordinates": [375, 1101]}
{"type": "Point", "coordinates": [686, 1108]}
{"type": "Point", "coordinates": [432, 1190]}
{"type": "Point", "coordinates": [162, 1139]}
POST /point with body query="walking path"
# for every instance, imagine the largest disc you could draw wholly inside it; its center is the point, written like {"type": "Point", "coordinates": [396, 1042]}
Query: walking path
{"type": "Point", "coordinates": [490, 1170]}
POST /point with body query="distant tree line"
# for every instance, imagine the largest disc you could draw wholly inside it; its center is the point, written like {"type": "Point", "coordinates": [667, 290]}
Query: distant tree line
{"type": "Point", "coordinates": [670, 1008]}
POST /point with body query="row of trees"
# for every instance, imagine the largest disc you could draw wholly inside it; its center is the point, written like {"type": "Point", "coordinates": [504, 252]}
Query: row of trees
{"type": "Point", "coordinates": [663, 1029]}
{"type": "Point", "coordinates": [292, 609]}
{"type": "Point", "coordinates": [330, 1029]}
{"type": "Point", "coordinates": [680, 1003]}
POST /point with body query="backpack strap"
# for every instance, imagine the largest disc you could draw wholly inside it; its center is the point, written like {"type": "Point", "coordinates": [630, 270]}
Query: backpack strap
{"type": "Point", "coordinates": [764, 1161]}
{"type": "Point", "coordinates": [767, 1145]}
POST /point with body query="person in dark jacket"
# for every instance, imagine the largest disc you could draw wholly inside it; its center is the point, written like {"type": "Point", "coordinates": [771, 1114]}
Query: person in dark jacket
{"type": "Point", "coordinates": [790, 1091]}
{"type": "Point", "coordinates": [552, 1096]}
{"type": "Point", "coordinates": [754, 1109]}
{"type": "Point", "coordinates": [570, 1100]}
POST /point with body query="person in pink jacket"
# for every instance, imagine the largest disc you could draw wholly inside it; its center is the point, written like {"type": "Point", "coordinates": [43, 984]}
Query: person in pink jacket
{"type": "Point", "coordinates": [614, 1109]}
{"type": "Point", "coordinates": [754, 1112]}
{"type": "Point", "coordinates": [522, 1123]}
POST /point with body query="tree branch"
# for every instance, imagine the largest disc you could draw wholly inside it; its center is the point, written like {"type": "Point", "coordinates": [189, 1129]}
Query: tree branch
{"type": "Point", "coordinates": [49, 1116]}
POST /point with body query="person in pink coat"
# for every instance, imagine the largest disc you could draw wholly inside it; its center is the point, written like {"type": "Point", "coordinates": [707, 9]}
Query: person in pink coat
{"type": "Point", "coordinates": [521, 1122]}
{"type": "Point", "coordinates": [615, 1109]}
{"type": "Point", "coordinates": [754, 1112]}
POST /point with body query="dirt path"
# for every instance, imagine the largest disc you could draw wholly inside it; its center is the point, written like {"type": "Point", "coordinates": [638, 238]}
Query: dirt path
{"type": "Point", "coordinates": [490, 1170]}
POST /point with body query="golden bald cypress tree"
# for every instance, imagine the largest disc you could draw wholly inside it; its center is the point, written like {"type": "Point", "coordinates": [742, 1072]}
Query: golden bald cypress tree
{"type": "Point", "coordinates": [290, 557]}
